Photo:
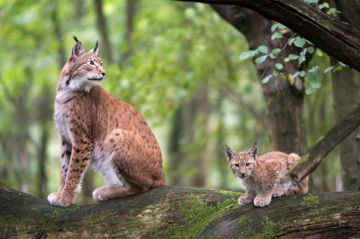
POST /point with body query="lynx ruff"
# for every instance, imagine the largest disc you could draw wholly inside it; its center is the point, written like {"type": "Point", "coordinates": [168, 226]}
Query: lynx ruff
{"type": "Point", "coordinates": [263, 175]}
{"type": "Point", "coordinates": [97, 128]}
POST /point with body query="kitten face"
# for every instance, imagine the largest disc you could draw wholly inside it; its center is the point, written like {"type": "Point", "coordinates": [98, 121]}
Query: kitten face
{"type": "Point", "coordinates": [242, 164]}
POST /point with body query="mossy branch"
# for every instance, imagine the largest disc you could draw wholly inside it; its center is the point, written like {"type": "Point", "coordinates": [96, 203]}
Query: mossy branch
{"type": "Point", "coordinates": [179, 212]}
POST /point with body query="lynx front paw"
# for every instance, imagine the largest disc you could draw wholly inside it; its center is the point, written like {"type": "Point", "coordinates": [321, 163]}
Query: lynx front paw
{"type": "Point", "coordinates": [244, 200]}
{"type": "Point", "coordinates": [278, 193]}
{"type": "Point", "coordinates": [56, 200]}
{"type": "Point", "coordinates": [261, 202]}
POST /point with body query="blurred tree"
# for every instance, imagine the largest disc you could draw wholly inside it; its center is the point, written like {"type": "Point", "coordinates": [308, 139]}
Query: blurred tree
{"type": "Point", "coordinates": [345, 98]}
{"type": "Point", "coordinates": [107, 51]}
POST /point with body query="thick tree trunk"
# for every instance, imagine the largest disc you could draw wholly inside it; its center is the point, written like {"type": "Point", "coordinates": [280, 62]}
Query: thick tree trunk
{"type": "Point", "coordinates": [284, 101]}
{"type": "Point", "coordinates": [179, 212]}
{"type": "Point", "coordinates": [332, 138]}
{"type": "Point", "coordinates": [345, 97]}
{"type": "Point", "coordinates": [324, 31]}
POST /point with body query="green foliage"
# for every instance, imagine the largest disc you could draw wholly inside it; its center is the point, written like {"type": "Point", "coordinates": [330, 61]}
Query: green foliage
{"type": "Point", "coordinates": [177, 52]}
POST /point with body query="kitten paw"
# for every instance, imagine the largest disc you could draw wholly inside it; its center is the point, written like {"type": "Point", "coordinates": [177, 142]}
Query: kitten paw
{"type": "Point", "coordinates": [277, 194]}
{"type": "Point", "coordinates": [261, 202]}
{"type": "Point", "coordinates": [244, 200]}
{"type": "Point", "coordinates": [56, 200]}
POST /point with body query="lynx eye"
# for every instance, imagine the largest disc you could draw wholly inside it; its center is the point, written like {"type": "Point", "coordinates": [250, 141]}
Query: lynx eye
{"type": "Point", "coordinates": [236, 165]}
{"type": "Point", "coordinates": [92, 63]}
{"type": "Point", "coordinates": [247, 164]}
{"type": "Point", "coordinates": [101, 62]}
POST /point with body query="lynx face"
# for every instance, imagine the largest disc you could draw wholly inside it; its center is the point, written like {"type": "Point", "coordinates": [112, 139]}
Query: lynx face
{"type": "Point", "coordinates": [83, 70]}
{"type": "Point", "coordinates": [242, 164]}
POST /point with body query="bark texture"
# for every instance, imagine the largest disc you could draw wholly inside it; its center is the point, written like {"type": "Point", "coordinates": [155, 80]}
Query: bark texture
{"type": "Point", "coordinates": [345, 97]}
{"type": "Point", "coordinates": [324, 146]}
{"type": "Point", "coordinates": [103, 30]}
{"type": "Point", "coordinates": [284, 98]}
{"type": "Point", "coordinates": [338, 39]}
{"type": "Point", "coordinates": [179, 212]}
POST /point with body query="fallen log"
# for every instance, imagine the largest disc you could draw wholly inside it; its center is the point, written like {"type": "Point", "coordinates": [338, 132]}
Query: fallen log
{"type": "Point", "coordinates": [181, 212]}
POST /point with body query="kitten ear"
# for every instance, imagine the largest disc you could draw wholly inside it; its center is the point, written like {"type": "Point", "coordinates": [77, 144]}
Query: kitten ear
{"type": "Point", "coordinates": [253, 151]}
{"type": "Point", "coordinates": [77, 50]}
{"type": "Point", "coordinates": [96, 48]}
{"type": "Point", "coordinates": [229, 152]}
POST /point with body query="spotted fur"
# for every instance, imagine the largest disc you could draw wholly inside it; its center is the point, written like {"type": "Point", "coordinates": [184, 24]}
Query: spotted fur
{"type": "Point", "coordinates": [99, 129]}
{"type": "Point", "coordinates": [264, 175]}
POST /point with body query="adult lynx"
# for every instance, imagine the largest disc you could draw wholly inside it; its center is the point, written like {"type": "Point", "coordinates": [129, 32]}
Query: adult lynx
{"type": "Point", "coordinates": [263, 175]}
{"type": "Point", "coordinates": [96, 127]}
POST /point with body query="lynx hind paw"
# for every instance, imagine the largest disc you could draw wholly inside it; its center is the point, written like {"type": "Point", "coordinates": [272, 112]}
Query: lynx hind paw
{"type": "Point", "coordinates": [243, 201]}
{"type": "Point", "coordinates": [261, 202]}
{"type": "Point", "coordinates": [98, 195]}
{"type": "Point", "coordinates": [55, 200]}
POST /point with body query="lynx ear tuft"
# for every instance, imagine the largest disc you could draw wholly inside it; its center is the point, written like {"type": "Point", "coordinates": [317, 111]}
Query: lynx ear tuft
{"type": "Point", "coordinates": [75, 38]}
{"type": "Point", "coordinates": [229, 152]}
{"type": "Point", "coordinates": [253, 151]}
{"type": "Point", "coordinates": [77, 50]}
{"type": "Point", "coordinates": [96, 48]}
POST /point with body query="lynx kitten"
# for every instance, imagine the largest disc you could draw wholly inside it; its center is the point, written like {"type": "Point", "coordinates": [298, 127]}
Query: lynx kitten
{"type": "Point", "coordinates": [262, 175]}
{"type": "Point", "coordinates": [96, 127]}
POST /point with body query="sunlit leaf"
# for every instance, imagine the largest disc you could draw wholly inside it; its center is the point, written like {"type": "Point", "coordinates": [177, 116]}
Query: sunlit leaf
{"type": "Point", "coordinates": [266, 79]}
{"type": "Point", "coordinates": [299, 42]}
{"type": "Point", "coordinates": [260, 59]}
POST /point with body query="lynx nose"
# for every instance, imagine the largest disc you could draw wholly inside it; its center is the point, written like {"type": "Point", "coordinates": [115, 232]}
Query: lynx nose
{"type": "Point", "coordinates": [242, 175]}
{"type": "Point", "coordinates": [103, 73]}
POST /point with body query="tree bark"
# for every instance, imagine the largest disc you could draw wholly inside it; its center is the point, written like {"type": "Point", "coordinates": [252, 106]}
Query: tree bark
{"type": "Point", "coordinates": [104, 34]}
{"type": "Point", "coordinates": [345, 97]}
{"type": "Point", "coordinates": [322, 30]}
{"type": "Point", "coordinates": [284, 100]}
{"type": "Point", "coordinates": [324, 146]}
{"type": "Point", "coordinates": [179, 212]}
{"type": "Point", "coordinates": [131, 7]}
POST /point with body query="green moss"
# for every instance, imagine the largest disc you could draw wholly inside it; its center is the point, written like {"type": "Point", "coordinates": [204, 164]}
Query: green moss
{"type": "Point", "coordinates": [270, 230]}
{"type": "Point", "coordinates": [310, 201]}
{"type": "Point", "coordinates": [243, 220]}
{"type": "Point", "coordinates": [229, 194]}
{"type": "Point", "coordinates": [194, 215]}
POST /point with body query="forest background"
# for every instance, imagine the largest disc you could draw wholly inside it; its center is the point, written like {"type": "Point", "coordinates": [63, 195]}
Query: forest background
{"type": "Point", "coordinates": [184, 68]}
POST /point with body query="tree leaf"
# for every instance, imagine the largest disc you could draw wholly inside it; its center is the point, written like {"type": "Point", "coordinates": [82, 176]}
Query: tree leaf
{"type": "Point", "coordinates": [263, 49]}
{"type": "Point", "coordinates": [312, 1]}
{"type": "Point", "coordinates": [291, 41]}
{"type": "Point", "coordinates": [246, 54]}
{"type": "Point", "coordinates": [275, 53]}
{"type": "Point", "coordinates": [299, 42]}
{"type": "Point", "coordinates": [293, 57]}
{"type": "Point", "coordinates": [261, 59]}
{"type": "Point", "coordinates": [328, 69]}
{"type": "Point", "coordinates": [277, 26]}
{"type": "Point", "coordinates": [266, 79]}
{"type": "Point", "coordinates": [276, 35]}
{"type": "Point", "coordinates": [279, 66]}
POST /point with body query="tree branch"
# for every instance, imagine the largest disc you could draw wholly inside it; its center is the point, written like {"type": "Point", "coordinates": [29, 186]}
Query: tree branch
{"type": "Point", "coordinates": [324, 146]}
{"type": "Point", "coordinates": [179, 212]}
{"type": "Point", "coordinates": [338, 39]}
